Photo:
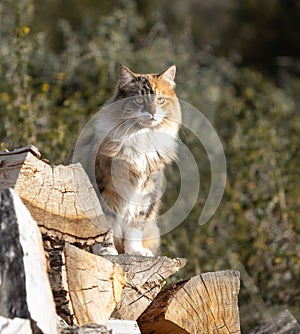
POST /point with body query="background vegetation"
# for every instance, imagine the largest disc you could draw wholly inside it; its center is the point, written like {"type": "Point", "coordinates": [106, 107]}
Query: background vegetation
{"type": "Point", "coordinates": [238, 62]}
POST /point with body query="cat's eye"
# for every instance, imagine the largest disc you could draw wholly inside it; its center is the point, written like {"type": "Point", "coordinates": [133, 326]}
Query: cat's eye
{"type": "Point", "coordinates": [139, 100]}
{"type": "Point", "coordinates": [161, 100]}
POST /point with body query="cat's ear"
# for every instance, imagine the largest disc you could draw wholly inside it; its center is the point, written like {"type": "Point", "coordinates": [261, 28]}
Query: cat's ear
{"type": "Point", "coordinates": [125, 76]}
{"type": "Point", "coordinates": [168, 74]}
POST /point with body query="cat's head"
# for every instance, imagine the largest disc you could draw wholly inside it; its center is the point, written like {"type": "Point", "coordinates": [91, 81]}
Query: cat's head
{"type": "Point", "coordinates": [149, 99]}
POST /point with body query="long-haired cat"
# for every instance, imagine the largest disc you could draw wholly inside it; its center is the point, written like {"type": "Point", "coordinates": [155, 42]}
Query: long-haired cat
{"type": "Point", "coordinates": [137, 137]}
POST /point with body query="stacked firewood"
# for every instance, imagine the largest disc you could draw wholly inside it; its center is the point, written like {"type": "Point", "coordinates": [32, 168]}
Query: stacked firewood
{"type": "Point", "coordinates": [51, 282]}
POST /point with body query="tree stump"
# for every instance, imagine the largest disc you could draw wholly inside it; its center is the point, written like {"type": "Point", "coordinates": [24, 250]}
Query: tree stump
{"type": "Point", "coordinates": [24, 286]}
{"type": "Point", "coordinates": [61, 199]}
{"type": "Point", "coordinates": [145, 278]}
{"type": "Point", "coordinates": [207, 303]}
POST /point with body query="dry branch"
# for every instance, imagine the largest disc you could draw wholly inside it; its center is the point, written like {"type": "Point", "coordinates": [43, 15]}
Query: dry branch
{"type": "Point", "coordinates": [24, 286]}
{"type": "Point", "coordinates": [61, 199]}
{"type": "Point", "coordinates": [205, 303]}
{"type": "Point", "coordinates": [282, 323]}
{"type": "Point", "coordinates": [145, 278]}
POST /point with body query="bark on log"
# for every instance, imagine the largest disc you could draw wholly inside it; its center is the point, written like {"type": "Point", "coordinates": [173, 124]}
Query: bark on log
{"type": "Point", "coordinates": [282, 323]}
{"type": "Point", "coordinates": [87, 329]}
{"type": "Point", "coordinates": [113, 327]}
{"type": "Point", "coordinates": [15, 326]}
{"type": "Point", "coordinates": [86, 287]}
{"type": "Point", "coordinates": [61, 199]}
{"type": "Point", "coordinates": [203, 304]}
{"type": "Point", "coordinates": [58, 280]}
{"type": "Point", "coordinates": [145, 278]}
{"type": "Point", "coordinates": [24, 286]}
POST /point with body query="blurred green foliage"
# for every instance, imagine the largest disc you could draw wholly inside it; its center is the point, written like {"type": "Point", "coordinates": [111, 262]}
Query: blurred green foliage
{"type": "Point", "coordinates": [58, 64]}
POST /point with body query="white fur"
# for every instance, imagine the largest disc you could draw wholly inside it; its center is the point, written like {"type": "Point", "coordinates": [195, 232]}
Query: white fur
{"type": "Point", "coordinates": [133, 242]}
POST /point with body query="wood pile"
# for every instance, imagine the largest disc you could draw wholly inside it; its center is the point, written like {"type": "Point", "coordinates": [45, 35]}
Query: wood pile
{"type": "Point", "coordinates": [50, 281]}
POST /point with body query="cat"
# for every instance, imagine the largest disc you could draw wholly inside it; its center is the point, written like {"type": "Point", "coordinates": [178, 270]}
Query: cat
{"type": "Point", "coordinates": [137, 135]}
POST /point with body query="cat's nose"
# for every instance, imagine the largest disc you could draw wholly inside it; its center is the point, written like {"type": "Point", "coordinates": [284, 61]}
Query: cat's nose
{"type": "Point", "coordinates": [152, 108]}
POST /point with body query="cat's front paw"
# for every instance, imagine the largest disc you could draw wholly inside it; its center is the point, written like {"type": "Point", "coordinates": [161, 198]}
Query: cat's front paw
{"type": "Point", "coordinates": [108, 251]}
{"type": "Point", "coordinates": [145, 252]}
{"type": "Point", "coordinates": [138, 251]}
{"type": "Point", "coordinates": [99, 250]}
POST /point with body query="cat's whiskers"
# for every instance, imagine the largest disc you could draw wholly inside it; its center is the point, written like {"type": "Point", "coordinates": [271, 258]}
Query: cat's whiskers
{"type": "Point", "coordinates": [129, 128]}
{"type": "Point", "coordinates": [112, 132]}
{"type": "Point", "coordinates": [120, 132]}
{"type": "Point", "coordinates": [118, 127]}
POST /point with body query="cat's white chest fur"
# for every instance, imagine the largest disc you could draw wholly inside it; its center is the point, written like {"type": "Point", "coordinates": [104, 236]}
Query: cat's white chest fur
{"type": "Point", "coordinates": [148, 147]}
{"type": "Point", "coordinates": [143, 150]}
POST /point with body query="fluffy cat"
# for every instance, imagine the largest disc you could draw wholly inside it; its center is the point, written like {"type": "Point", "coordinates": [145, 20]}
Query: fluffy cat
{"type": "Point", "coordinates": [137, 137]}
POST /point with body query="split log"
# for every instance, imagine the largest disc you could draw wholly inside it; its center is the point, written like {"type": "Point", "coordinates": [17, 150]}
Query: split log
{"type": "Point", "coordinates": [119, 326]}
{"type": "Point", "coordinates": [61, 199]}
{"type": "Point", "coordinates": [282, 323]}
{"type": "Point", "coordinates": [86, 287]}
{"type": "Point", "coordinates": [24, 290]}
{"type": "Point", "coordinates": [95, 285]}
{"type": "Point", "coordinates": [206, 303]}
{"type": "Point", "coordinates": [15, 326]}
{"type": "Point", "coordinates": [145, 278]}
{"type": "Point", "coordinates": [87, 329]}
{"type": "Point", "coordinates": [113, 327]}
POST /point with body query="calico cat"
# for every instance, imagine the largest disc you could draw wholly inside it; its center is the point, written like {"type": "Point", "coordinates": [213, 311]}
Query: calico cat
{"type": "Point", "coordinates": [139, 132]}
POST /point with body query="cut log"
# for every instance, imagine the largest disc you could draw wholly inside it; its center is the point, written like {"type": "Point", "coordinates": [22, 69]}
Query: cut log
{"type": "Point", "coordinates": [61, 199]}
{"type": "Point", "coordinates": [206, 303]}
{"type": "Point", "coordinates": [24, 290]}
{"type": "Point", "coordinates": [282, 323]}
{"type": "Point", "coordinates": [86, 287]}
{"type": "Point", "coordinates": [15, 326]}
{"type": "Point", "coordinates": [145, 278]}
